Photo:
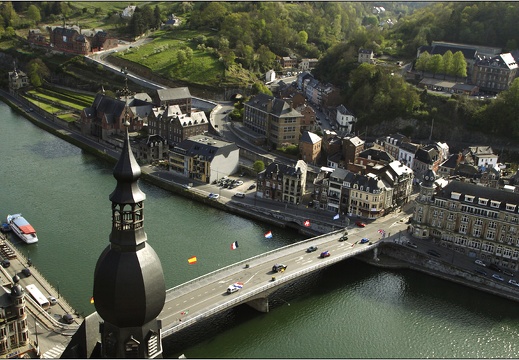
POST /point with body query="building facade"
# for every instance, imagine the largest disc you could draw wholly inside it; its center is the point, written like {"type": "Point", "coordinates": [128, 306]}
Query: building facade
{"type": "Point", "coordinates": [282, 182]}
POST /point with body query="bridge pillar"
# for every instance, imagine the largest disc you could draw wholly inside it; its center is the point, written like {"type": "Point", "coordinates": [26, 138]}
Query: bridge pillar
{"type": "Point", "coordinates": [261, 304]}
{"type": "Point", "coordinates": [375, 253]}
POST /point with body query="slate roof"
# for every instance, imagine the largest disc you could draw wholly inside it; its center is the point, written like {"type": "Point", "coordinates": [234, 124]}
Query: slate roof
{"type": "Point", "coordinates": [339, 174]}
{"type": "Point", "coordinates": [451, 162]}
{"type": "Point", "coordinates": [342, 109]}
{"type": "Point", "coordinates": [503, 61]}
{"type": "Point", "coordinates": [478, 191]}
{"type": "Point", "coordinates": [280, 108]}
{"type": "Point", "coordinates": [366, 181]}
{"type": "Point", "coordinates": [310, 137]}
{"type": "Point", "coordinates": [376, 155]}
{"type": "Point", "coordinates": [206, 146]}
{"type": "Point", "coordinates": [284, 169]}
{"type": "Point", "coordinates": [173, 93]}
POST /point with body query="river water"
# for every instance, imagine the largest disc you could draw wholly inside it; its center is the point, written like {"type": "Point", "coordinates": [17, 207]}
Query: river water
{"type": "Point", "coordinates": [350, 310]}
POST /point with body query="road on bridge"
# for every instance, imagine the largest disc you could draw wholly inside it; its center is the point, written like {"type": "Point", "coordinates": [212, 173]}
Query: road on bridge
{"type": "Point", "coordinates": [207, 295]}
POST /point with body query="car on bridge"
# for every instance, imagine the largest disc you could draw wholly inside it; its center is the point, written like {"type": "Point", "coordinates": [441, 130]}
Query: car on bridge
{"type": "Point", "coordinates": [433, 253]}
{"type": "Point", "coordinates": [234, 287]}
{"type": "Point", "coordinates": [498, 277]}
{"type": "Point", "coordinates": [343, 238]}
{"type": "Point", "coordinates": [311, 249]}
{"type": "Point", "coordinates": [360, 224]}
{"type": "Point", "coordinates": [279, 268]}
{"type": "Point", "coordinates": [324, 254]}
{"type": "Point", "coordinates": [479, 262]}
{"type": "Point", "coordinates": [364, 240]}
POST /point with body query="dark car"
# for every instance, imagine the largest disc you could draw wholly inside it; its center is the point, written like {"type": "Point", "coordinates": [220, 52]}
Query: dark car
{"type": "Point", "coordinates": [343, 238]}
{"type": "Point", "coordinates": [411, 244]}
{"type": "Point", "coordinates": [324, 254]}
{"type": "Point", "coordinates": [279, 268]}
{"type": "Point", "coordinates": [311, 249]}
{"type": "Point", "coordinates": [68, 319]}
{"type": "Point", "coordinates": [310, 203]}
{"type": "Point", "coordinates": [6, 263]}
{"type": "Point", "coordinates": [495, 267]}
{"type": "Point", "coordinates": [26, 272]}
{"type": "Point", "coordinates": [433, 253]}
{"type": "Point", "coordinates": [508, 273]}
{"type": "Point", "coordinates": [480, 272]}
{"type": "Point", "coordinates": [252, 186]}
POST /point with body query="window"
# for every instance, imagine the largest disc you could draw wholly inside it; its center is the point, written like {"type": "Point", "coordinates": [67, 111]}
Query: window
{"type": "Point", "coordinates": [491, 234]}
{"type": "Point", "coordinates": [463, 229]}
{"type": "Point", "coordinates": [464, 219]}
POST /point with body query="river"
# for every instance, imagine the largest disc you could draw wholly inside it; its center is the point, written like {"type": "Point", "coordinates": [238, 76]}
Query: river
{"type": "Point", "coordinates": [350, 310]}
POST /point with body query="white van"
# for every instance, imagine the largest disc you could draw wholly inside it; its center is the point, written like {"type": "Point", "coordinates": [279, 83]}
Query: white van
{"type": "Point", "coordinates": [239, 194]}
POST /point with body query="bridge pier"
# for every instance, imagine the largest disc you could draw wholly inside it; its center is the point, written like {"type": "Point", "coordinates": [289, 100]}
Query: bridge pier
{"type": "Point", "coordinates": [375, 253]}
{"type": "Point", "coordinates": [260, 304]}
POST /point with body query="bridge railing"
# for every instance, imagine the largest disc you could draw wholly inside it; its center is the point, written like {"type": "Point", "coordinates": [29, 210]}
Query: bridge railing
{"type": "Point", "coordinates": [249, 261]}
{"type": "Point", "coordinates": [177, 326]}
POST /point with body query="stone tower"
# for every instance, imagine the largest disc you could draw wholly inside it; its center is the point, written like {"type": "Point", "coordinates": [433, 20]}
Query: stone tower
{"type": "Point", "coordinates": [129, 290]}
{"type": "Point", "coordinates": [423, 200]}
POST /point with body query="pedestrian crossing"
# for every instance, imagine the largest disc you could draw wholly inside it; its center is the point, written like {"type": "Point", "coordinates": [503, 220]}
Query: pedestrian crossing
{"type": "Point", "coordinates": [54, 353]}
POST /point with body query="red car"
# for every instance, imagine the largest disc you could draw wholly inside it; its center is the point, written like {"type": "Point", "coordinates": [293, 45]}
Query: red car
{"type": "Point", "coordinates": [325, 254]}
{"type": "Point", "coordinates": [360, 224]}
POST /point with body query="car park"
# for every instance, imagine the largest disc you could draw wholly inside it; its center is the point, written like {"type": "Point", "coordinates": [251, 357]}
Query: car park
{"type": "Point", "coordinates": [479, 262]}
{"type": "Point", "coordinates": [498, 277]}
{"type": "Point", "coordinates": [324, 254]}
{"type": "Point", "coordinates": [433, 253]}
{"type": "Point", "coordinates": [279, 268]}
{"type": "Point", "coordinates": [364, 240]}
{"type": "Point", "coordinates": [360, 224]}
{"type": "Point", "coordinates": [311, 249]}
{"type": "Point", "coordinates": [234, 287]}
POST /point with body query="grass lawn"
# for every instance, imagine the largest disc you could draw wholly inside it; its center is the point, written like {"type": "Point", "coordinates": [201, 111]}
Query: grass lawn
{"type": "Point", "coordinates": [160, 56]}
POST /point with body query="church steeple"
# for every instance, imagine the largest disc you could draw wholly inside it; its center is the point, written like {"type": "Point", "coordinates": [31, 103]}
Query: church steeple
{"type": "Point", "coordinates": [129, 288]}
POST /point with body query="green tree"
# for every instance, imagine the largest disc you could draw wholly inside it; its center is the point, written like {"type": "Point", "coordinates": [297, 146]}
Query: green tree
{"type": "Point", "coordinates": [435, 64]}
{"type": "Point", "coordinates": [33, 13]}
{"type": "Point", "coordinates": [37, 71]}
{"type": "Point", "coordinates": [181, 56]}
{"type": "Point", "coordinates": [447, 63]}
{"type": "Point", "coordinates": [459, 65]}
{"type": "Point", "coordinates": [258, 166]}
{"type": "Point", "coordinates": [421, 62]}
{"type": "Point", "coordinates": [302, 37]}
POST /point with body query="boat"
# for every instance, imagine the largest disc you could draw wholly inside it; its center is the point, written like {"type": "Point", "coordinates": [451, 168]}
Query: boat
{"type": "Point", "coordinates": [22, 228]}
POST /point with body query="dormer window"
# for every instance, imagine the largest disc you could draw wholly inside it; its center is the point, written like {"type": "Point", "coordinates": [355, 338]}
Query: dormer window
{"type": "Point", "coordinates": [510, 207]}
{"type": "Point", "coordinates": [483, 201]}
{"type": "Point", "coordinates": [469, 198]}
{"type": "Point", "coordinates": [455, 195]}
{"type": "Point", "coordinates": [495, 204]}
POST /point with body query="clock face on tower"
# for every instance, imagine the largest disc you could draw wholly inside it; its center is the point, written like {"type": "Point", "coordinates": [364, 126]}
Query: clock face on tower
{"type": "Point", "coordinates": [426, 177]}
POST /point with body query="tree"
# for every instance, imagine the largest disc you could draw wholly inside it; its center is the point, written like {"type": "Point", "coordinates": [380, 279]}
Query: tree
{"type": "Point", "coordinates": [258, 166]}
{"type": "Point", "coordinates": [37, 71]}
{"type": "Point", "coordinates": [447, 63]}
{"type": "Point", "coordinates": [435, 64]}
{"type": "Point", "coordinates": [181, 56]}
{"type": "Point", "coordinates": [459, 65]}
{"type": "Point", "coordinates": [421, 62]}
{"type": "Point", "coordinates": [302, 37]}
{"type": "Point", "coordinates": [33, 13]}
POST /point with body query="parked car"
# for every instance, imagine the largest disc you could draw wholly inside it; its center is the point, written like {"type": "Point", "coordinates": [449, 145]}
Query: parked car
{"type": "Point", "coordinates": [279, 268]}
{"type": "Point", "coordinates": [480, 272]}
{"type": "Point", "coordinates": [311, 249]}
{"type": "Point", "coordinates": [310, 203]}
{"type": "Point", "coordinates": [252, 186]}
{"type": "Point", "coordinates": [239, 195]}
{"type": "Point", "coordinates": [360, 224]}
{"type": "Point", "coordinates": [234, 287]}
{"type": "Point", "coordinates": [495, 267]}
{"type": "Point", "coordinates": [238, 183]}
{"type": "Point", "coordinates": [324, 254]}
{"type": "Point", "coordinates": [479, 262]}
{"type": "Point", "coordinates": [508, 273]}
{"type": "Point", "coordinates": [433, 253]}
{"type": "Point", "coordinates": [364, 240]}
{"type": "Point", "coordinates": [68, 319]}
{"type": "Point", "coordinates": [411, 244]}
{"type": "Point", "coordinates": [26, 272]}
{"type": "Point", "coordinates": [52, 300]}
{"type": "Point", "coordinates": [513, 282]}
{"type": "Point", "coordinates": [498, 277]}
{"type": "Point", "coordinates": [6, 263]}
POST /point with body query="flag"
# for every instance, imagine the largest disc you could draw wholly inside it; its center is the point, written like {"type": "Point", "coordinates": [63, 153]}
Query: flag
{"type": "Point", "coordinates": [192, 260]}
{"type": "Point", "coordinates": [234, 245]}
{"type": "Point", "coordinates": [268, 235]}
{"type": "Point", "coordinates": [307, 223]}
{"type": "Point", "coordinates": [92, 300]}
{"type": "Point", "coordinates": [380, 231]}
{"type": "Point", "coordinates": [336, 217]}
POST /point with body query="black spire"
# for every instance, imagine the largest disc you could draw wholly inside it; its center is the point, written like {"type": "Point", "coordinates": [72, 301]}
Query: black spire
{"type": "Point", "coordinates": [129, 289]}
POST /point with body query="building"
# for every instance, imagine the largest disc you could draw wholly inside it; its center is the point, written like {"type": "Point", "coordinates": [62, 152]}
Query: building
{"type": "Point", "coordinates": [169, 123]}
{"type": "Point", "coordinates": [74, 40]}
{"type": "Point", "coordinates": [282, 182]}
{"type": "Point", "coordinates": [495, 74]}
{"type": "Point", "coordinates": [14, 330]}
{"type": "Point", "coordinates": [392, 143]}
{"type": "Point", "coordinates": [308, 64]}
{"type": "Point", "coordinates": [366, 56]}
{"type": "Point", "coordinates": [272, 118]}
{"type": "Point", "coordinates": [481, 222]}
{"type": "Point", "coordinates": [204, 159]}
{"type": "Point", "coordinates": [344, 120]}
{"type": "Point", "coordinates": [174, 96]}
{"type": "Point", "coordinates": [288, 62]}
{"type": "Point", "coordinates": [351, 148]}
{"type": "Point", "coordinates": [17, 80]}
{"type": "Point", "coordinates": [151, 148]}
{"type": "Point", "coordinates": [310, 147]}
